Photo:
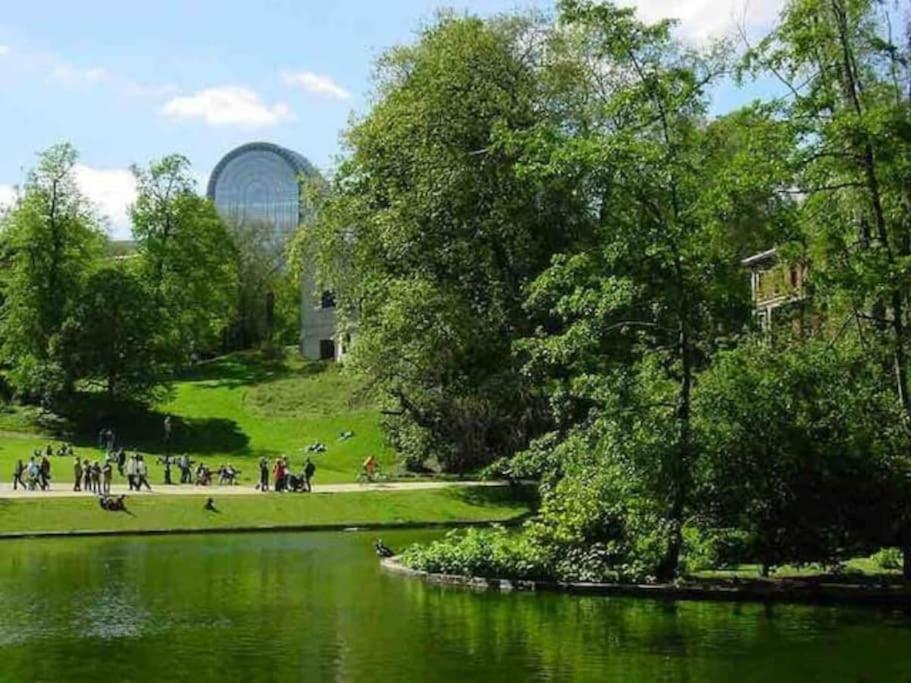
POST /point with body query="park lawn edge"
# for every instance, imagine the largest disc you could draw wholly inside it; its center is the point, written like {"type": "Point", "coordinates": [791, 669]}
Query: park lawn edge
{"type": "Point", "coordinates": [61, 517]}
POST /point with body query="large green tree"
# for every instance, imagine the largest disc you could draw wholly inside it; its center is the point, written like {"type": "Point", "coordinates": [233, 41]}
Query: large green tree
{"type": "Point", "coordinates": [845, 70]}
{"type": "Point", "coordinates": [631, 316]}
{"type": "Point", "coordinates": [429, 236]}
{"type": "Point", "coordinates": [187, 257]}
{"type": "Point", "coordinates": [111, 338]}
{"type": "Point", "coordinates": [50, 242]}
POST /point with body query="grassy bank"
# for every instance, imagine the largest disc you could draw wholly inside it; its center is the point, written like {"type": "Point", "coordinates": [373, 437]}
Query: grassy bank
{"type": "Point", "coordinates": [234, 410]}
{"type": "Point", "coordinates": [271, 510]}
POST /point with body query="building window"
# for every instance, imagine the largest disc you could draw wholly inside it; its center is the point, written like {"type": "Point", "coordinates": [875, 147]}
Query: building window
{"type": "Point", "coordinates": [327, 300]}
{"type": "Point", "coordinates": [326, 349]}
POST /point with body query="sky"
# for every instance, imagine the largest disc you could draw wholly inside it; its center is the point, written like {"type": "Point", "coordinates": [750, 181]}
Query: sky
{"type": "Point", "coordinates": [129, 82]}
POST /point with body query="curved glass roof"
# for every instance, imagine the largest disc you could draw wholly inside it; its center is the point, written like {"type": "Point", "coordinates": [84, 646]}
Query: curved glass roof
{"type": "Point", "coordinates": [259, 184]}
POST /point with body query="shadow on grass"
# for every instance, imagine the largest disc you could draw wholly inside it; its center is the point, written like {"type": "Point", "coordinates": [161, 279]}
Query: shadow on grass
{"type": "Point", "coordinates": [496, 496]}
{"type": "Point", "coordinates": [139, 427]}
{"type": "Point", "coordinates": [246, 369]}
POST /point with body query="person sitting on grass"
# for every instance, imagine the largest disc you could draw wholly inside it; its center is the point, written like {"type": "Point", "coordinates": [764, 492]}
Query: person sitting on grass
{"type": "Point", "coordinates": [117, 504]}
{"type": "Point", "coordinates": [210, 505]}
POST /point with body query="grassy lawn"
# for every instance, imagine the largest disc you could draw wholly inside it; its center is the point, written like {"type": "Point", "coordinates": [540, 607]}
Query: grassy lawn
{"type": "Point", "coordinates": [235, 410]}
{"type": "Point", "coordinates": [858, 568]}
{"type": "Point", "coordinates": [186, 512]}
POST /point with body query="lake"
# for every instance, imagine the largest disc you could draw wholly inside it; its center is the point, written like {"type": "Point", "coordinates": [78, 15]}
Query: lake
{"type": "Point", "coordinates": [316, 606]}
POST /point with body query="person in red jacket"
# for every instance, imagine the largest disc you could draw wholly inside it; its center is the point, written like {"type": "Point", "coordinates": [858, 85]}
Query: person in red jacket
{"type": "Point", "coordinates": [278, 474]}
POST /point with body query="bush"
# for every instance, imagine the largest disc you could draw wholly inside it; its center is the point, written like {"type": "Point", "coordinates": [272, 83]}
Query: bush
{"type": "Point", "coordinates": [593, 526]}
{"type": "Point", "coordinates": [888, 558]}
{"type": "Point", "coordinates": [492, 552]}
{"type": "Point", "coordinates": [715, 549]}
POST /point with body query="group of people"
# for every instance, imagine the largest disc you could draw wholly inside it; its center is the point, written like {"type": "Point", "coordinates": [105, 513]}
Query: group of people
{"type": "Point", "coordinates": [97, 476]}
{"type": "Point", "coordinates": [35, 475]}
{"type": "Point", "coordinates": [282, 477]}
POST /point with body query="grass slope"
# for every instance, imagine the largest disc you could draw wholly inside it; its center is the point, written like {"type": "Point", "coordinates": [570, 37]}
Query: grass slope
{"type": "Point", "coordinates": [187, 513]}
{"type": "Point", "coordinates": [234, 409]}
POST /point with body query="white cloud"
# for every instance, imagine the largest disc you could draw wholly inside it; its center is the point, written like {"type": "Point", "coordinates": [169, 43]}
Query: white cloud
{"type": "Point", "coordinates": [111, 191]}
{"type": "Point", "coordinates": [316, 84]}
{"type": "Point", "coordinates": [78, 76]}
{"type": "Point", "coordinates": [227, 105]}
{"type": "Point", "coordinates": [7, 196]}
{"type": "Point", "coordinates": [4, 50]}
{"type": "Point", "coordinates": [704, 19]}
{"type": "Point", "coordinates": [150, 90]}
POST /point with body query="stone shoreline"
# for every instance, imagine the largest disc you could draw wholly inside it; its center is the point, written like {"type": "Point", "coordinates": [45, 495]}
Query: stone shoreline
{"type": "Point", "coordinates": [791, 590]}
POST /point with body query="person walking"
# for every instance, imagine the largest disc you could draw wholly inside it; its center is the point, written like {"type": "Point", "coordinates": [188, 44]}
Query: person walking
{"type": "Point", "coordinates": [44, 473]}
{"type": "Point", "coordinates": [131, 469]}
{"type": "Point", "coordinates": [263, 484]}
{"type": "Point", "coordinates": [142, 472]}
{"type": "Point", "coordinates": [17, 475]}
{"type": "Point", "coordinates": [309, 470]}
{"type": "Point", "coordinates": [77, 475]}
{"type": "Point", "coordinates": [96, 477]}
{"type": "Point", "coordinates": [121, 460]}
{"type": "Point", "coordinates": [167, 461]}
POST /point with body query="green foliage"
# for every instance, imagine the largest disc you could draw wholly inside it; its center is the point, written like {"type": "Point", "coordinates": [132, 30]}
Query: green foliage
{"type": "Point", "coordinates": [428, 237]}
{"type": "Point", "coordinates": [50, 241]}
{"type": "Point", "coordinates": [888, 558]}
{"type": "Point", "coordinates": [112, 338]}
{"type": "Point", "coordinates": [803, 449]}
{"type": "Point", "coordinates": [187, 258]}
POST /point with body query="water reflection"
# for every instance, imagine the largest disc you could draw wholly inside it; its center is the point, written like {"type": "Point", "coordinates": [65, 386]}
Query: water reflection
{"type": "Point", "coordinates": [291, 606]}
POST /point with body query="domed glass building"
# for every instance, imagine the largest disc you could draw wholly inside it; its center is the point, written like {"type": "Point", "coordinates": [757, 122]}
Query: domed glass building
{"type": "Point", "coordinates": [258, 186]}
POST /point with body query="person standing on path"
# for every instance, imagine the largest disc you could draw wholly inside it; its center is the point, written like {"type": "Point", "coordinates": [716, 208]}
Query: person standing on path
{"type": "Point", "coordinates": [263, 484]}
{"type": "Point", "coordinates": [44, 473]}
{"type": "Point", "coordinates": [77, 475]}
{"type": "Point", "coordinates": [168, 460]}
{"type": "Point", "coordinates": [107, 473]}
{"type": "Point", "coordinates": [17, 475]}
{"type": "Point", "coordinates": [131, 473]}
{"type": "Point", "coordinates": [309, 469]}
{"type": "Point", "coordinates": [142, 474]}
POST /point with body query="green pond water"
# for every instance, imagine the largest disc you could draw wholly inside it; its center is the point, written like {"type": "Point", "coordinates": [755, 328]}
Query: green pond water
{"type": "Point", "coordinates": [316, 606]}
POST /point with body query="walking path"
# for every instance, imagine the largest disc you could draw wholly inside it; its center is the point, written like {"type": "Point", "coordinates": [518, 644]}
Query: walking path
{"type": "Point", "coordinates": [64, 489]}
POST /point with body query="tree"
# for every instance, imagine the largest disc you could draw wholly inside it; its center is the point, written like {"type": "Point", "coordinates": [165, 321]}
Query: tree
{"type": "Point", "coordinates": [51, 240]}
{"type": "Point", "coordinates": [848, 106]}
{"type": "Point", "coordinates": [803, 449]}
{"type": "Point", "coordinates": [111, 337]}
{"type": "Point", "coordinates": [187, 257]}
{"type": "Point", "coordinates": [261, 273]}
{"type": "Point", "coordinates": [630, 317]}
{"type": "Point", "coordinates": [429, 236]}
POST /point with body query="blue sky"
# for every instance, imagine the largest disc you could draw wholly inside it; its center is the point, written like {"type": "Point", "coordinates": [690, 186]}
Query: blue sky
{"type": "Point", "coordinates": [127, 82]}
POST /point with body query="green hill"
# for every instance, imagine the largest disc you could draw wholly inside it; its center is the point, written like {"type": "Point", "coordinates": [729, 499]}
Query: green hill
{"type": "Point", "coordinates": [234, 409]}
